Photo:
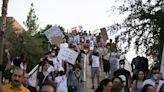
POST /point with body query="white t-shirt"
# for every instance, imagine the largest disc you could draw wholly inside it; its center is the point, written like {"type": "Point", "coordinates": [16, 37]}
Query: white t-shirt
{"type": "Point", "coordinates": [64, 45]}
{"type": "Point", "coordinates": [95, 61]}
{"type": "Point", "coordinates": [61, 82]}
{"type": "Point", "coordinates": [152, 82]}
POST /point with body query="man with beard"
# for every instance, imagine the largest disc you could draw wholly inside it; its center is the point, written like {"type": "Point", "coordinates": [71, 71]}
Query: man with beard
{"type": "Point", "coordinates": [16, 82]}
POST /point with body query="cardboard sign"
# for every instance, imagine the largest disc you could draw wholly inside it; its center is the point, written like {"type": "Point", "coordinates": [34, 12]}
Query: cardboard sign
{"type": "Point", "coordinates": [68, 55]}
{"type": "Point", "coordinates": [104, 34]}
{"type": "Point", "coordinates": [57, 40]}
{"type": "Point", "coordinates": [53, 32]}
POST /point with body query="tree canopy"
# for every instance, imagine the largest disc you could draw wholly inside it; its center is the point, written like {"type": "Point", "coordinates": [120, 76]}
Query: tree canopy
{"type": "Point", "coordinates": [144, 25]}
{"type": "Point", "coordinates": [31, 22]}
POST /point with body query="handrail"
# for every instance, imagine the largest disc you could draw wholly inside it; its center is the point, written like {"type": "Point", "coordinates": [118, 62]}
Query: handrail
{"type": "Point", "coordinates": [33, 70]}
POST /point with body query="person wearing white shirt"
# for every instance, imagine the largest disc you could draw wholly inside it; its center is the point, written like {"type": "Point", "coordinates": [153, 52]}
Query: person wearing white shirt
{"type": "Point", "coordinates": [64, 44]}
{"type": "Point", "coordinates": [61, 79]}
{"type": "Point", "coordinates": [95, 65]}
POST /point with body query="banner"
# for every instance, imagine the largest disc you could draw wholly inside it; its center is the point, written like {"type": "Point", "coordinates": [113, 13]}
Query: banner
{"type": "Point", "coordinates": [68, 55]}
{"type": "Point", "coordinates": [53, 32]}
{"type": "Point", "coordinates": [104, 34]}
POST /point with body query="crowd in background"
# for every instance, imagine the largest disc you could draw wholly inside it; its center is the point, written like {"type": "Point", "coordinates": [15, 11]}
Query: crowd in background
{"type": "Point", "coordinates": [57, 75]}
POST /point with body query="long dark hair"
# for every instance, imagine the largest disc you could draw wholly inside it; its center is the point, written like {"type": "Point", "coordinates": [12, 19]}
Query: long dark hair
{"type": "Point", "coordinates": [137, 78]}
{"type": "Point", "coordinates": [104, 82]}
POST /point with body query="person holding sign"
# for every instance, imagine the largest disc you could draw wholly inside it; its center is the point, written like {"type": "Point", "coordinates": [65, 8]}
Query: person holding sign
{"type": "Point", "coordinates": [95, 65]}
{"type": "Point", "coordinates": [64, 44]}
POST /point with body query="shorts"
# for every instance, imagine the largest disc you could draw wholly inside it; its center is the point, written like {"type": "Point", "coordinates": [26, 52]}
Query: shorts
{"type": "Point", "coordinates": [95, 71]}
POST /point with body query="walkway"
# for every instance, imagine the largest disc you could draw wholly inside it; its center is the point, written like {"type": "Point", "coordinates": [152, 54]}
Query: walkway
{"type": "Point", "coordinates": [89, 82]}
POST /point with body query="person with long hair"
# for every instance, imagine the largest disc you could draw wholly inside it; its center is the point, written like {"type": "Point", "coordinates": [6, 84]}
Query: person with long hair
{"type": "Point", "coordinates": [44, 75]}
{"type": "Point", "coordinates": [137, 84]}
{"type": "Point", "coordinates": [105, 86]}
{"type": "Point", "coordinates": [105, 59]}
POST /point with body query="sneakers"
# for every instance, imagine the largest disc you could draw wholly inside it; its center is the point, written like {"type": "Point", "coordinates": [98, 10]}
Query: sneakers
{"type": "Point", "coordinates": [93, 87]}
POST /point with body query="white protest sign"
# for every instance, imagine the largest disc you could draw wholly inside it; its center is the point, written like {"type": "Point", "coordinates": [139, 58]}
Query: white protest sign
{"type": "Point", "coordinates": [68, 55]}
{"type": "Point", "coordinates": [77, 39]}
{"type": "Point", "coordinates": [53, 32]}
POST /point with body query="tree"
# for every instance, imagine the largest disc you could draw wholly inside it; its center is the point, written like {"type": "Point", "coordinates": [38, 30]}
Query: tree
{"type": "Point", "coordinates": [24, 43]}
{"type": "Point", "coordinates": [30, 23]}
{"type": "Point", "coordinates": [144, 25]}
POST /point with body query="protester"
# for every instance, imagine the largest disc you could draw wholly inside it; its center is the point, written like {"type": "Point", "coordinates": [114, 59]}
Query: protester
{"type": "Point", "coordinates": [98, 38]}
{"type": "Point", "coordinates": [124, 73]}
{"type": "Point", "coordinates": [139, 63]}
{"type": "Point", "coordinates": [148, 88]}
{"type": "Point", "coordinates": [75, 79]}
{"type": "Point", "coordinates": [44, 75]}
{"type": "Point", "coordinates": [56, 63]}
{"type": "Point", "coordinates": [95, 66]}
{"type": "Point", "coordinates": [48, 87]}
{"type": "Point", "coordinates": [61, 78]}
{"type": "Point", "coordinates": [104, 86]}
{"type": "Point", "coordinates": [26, 83]}
{"type": "Point", "coordinates": [64, 44]}
{"type": "Point", "coordinates": [105, 59]}
{"type": "Point", "coordinates": [16, 82]}
{"type": "Point", "coordinates": [113, 60]}
{"type": "Point", "coordinates": [137, 84]}
{"type": "Point", "coordinates": [20, 62]}
{"type": "Point", "coordinates": [155, 80]}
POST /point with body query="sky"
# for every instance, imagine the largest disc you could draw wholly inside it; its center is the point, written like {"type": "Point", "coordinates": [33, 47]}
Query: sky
{"type": "Point", "coordinates": [91, 14]}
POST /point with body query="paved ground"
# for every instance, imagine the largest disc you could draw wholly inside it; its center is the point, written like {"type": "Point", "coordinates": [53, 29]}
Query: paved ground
{"type": "Point", "coordinates": [89, 82]}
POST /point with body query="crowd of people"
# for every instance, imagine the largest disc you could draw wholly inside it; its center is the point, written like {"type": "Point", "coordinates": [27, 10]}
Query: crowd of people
{"type": "Point", "coordinates": [57, 75]}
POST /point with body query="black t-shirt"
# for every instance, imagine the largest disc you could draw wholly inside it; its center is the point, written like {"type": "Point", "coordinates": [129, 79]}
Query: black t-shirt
{"type": "Point", "coordinates": [95, 53]}
{"type": "Point", "coordinates": [17, 62]}
{"type": "Point", "coordinates": [124, 72]}
{"type": "Point", "coordinates": [32, 89]}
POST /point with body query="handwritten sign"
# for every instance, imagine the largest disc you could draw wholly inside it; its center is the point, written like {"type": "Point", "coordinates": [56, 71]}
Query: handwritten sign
{"type": "Point", "coordinates": [68, 55]}
{"type": "Point", "coordinates": [53, 32]}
